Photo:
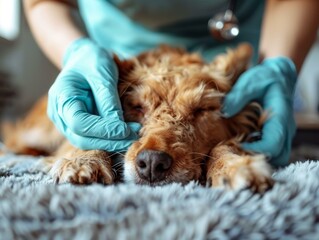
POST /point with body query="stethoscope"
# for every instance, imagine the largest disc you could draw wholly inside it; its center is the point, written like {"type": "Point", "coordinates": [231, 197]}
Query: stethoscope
{"type": "Point", "coordinates": [224, 26]}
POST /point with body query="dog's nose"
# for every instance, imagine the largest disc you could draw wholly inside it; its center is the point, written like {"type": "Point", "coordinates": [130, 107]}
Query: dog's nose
{"type": "Point", "coordinates": [153, 165]}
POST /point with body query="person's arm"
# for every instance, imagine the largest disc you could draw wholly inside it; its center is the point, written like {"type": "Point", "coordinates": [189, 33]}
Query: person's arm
{"type": "Point", "coordinates": [52, 26]}
{"type": "Point", "coordinates": [289, 29]}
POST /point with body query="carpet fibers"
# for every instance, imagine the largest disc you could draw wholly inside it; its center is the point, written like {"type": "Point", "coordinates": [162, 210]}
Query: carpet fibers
{"type": "Point", "coordinates": [33, 207]}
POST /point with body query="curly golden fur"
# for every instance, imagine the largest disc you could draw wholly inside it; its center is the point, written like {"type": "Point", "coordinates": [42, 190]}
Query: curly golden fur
{"type": "Point", "coordinates": [176, 97]}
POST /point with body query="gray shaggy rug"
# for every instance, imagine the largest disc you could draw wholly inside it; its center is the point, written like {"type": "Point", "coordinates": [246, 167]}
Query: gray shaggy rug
{"type": "Point", "coordinates": [32, 207]}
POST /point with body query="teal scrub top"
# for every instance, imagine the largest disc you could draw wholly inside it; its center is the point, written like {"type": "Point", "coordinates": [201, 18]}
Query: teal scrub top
{"type": "Point", "coordinates": [128, 27]}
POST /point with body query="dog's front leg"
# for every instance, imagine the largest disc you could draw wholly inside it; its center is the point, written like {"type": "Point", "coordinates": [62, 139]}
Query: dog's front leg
{"type": "Point", "coordinates": [79, 166]}
{"type": "Point", "coordinates": [231, 167]}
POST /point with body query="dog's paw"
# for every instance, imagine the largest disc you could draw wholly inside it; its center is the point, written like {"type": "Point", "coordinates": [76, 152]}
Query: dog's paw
{"type": "Point", "coordinates": [81, 171]}
{"type": "Point", "coordinates": [252, 172]}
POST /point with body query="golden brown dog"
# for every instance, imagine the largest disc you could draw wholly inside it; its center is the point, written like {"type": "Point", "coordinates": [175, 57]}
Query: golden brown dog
{"type": "Point", "coordinates": [176, 97]}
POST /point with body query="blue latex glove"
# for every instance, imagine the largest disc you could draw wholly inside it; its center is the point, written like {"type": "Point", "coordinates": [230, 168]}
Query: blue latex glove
{"type": "Point", "coordinates": [272, 84]}
{"type": "Point", "coordinates": [84, 104]}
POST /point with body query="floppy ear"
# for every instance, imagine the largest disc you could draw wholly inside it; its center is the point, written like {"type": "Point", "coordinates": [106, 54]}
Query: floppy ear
{"type": "Point", "coordinates": [233, 63]}
{"type": "Point", "coordinates": [126, 69]}
{"type": "Point", "coordinates": [124, 66]}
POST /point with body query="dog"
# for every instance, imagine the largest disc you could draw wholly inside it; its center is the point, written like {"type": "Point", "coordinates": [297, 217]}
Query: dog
{"type": "Point", "coordinates": [177, 98]}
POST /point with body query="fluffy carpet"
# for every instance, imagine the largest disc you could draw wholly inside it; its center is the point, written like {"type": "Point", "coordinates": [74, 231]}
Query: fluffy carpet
{"type": "Point", "coordinates": [31, 206]}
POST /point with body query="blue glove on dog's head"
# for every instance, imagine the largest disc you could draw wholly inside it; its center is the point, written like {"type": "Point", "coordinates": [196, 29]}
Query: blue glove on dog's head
{"type": "Point", "coordinates": [84, 104]}
{"type": "Point", "coordinates": [272, 84]}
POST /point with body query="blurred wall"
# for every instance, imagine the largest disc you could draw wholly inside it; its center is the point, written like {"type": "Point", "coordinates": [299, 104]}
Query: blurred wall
{"type": "Point", "coordinates": [29, 72]}
{"type": "Point", "coordinates": [308, 82]}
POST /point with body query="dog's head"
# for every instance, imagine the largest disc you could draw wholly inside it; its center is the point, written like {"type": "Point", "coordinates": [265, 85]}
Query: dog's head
{"type": "Point", "coordinates": [176, 97]}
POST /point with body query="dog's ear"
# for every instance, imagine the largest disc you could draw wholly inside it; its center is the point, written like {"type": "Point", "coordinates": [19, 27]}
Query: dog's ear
{"type": "Point", "coordinates": [128, 73]}
{"type": "Point", "coordinates": [233, 63]}
{"type": "Point", "coordinates": [124, 66]}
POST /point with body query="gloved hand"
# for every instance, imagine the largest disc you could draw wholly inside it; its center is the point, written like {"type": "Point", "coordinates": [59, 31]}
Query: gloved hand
{"type": "Point", "coordinates": [272, 84]}
{"type": "Point", "coordinates": [84, 104]}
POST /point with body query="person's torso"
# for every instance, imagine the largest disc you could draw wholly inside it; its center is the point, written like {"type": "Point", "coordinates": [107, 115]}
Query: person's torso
{"type": "Point", "coordinates": [129, 27]}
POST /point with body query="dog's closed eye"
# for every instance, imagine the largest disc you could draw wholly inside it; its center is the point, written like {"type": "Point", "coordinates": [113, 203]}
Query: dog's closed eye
{"type": "Point", "coordinates": [201, 110]}
{"type": "Point", "coordinates": [139, 108]}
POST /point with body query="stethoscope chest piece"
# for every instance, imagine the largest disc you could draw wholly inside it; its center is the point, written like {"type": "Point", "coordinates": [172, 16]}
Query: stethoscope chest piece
{"type": "Point", "coordinates": [224, 26]}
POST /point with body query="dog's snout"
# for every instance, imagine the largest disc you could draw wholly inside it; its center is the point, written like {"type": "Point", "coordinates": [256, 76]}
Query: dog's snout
{"type": "Point", "coordinates": [153, 165]}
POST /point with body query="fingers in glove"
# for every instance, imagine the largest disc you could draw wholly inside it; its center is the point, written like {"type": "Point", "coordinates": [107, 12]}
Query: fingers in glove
{"type": "Point", "coordinates": [75, 115]}
{"type": "Point", "coordinates": [104, 88]}
{"type": "Point", "coordinates": [278, 127]}
{"type": "Point", "coordinates": [242, 94]}
{"type": "Point", "coordinates": [272, 141]}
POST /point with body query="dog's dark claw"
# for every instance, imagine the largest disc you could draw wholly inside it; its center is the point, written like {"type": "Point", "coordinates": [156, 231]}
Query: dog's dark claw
{"type": "Point", "coordinates": [209, 182]}
{"type": "Point", "coordinates": [225, 182]}
{"type": "Point", "coordinates": [57, 180]}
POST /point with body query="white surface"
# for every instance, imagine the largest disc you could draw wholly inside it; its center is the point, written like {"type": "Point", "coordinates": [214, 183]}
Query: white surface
{"type": "Point", "coordinates": [9, 19]}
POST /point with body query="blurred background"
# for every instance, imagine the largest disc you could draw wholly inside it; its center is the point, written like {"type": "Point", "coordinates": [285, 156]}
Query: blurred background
{"type": "Point", "coordinates": [26, 74]}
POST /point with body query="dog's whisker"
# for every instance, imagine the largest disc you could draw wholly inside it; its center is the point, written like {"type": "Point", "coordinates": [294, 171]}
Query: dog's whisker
{"type": "Point", "coordinates": [117, 153]}
{"type": "Point", "coordinates": [118, 166]}
{"type": "Point", "coordinates": [125, 90]}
